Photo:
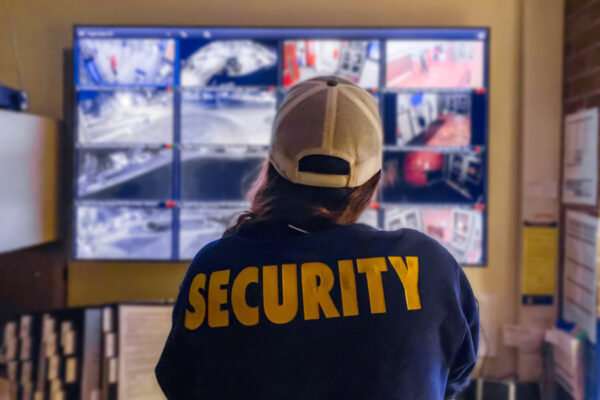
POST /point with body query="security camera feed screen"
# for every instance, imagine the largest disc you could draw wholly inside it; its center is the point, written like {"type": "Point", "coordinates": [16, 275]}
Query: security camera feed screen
{"type": "Point", "coordinates": [129, 62]}
{"type": "Point", "coordinates": [355, 60]}
{"type": "Point", "coordinates": [204, 223]}
{"type": "Point", "coordinates": [172, 127]}
{"type": "Point", "coordinates": [125, 173]}
{"type": "Point", "coordinates": [432, 177]}
{"type": "Point", "coordinates": [121, 232]}
{"type": "Point", "coordinates": [459, 229]}
{"type": "Point", "coordinates": [125, 116]}
{"type": "Point", "coordinates": [229, 62]}
{"type": "Point", "coordinates": [208, 176]}
{"type": "Point", "coordinates": [433, 119]}
{"type": "Point", "coordinates": [434, 64]}
{"type": "Point", "coordinates": [227, 117]}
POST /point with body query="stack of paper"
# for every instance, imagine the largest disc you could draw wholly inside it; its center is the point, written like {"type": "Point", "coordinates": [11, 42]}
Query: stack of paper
{"type": "Point", "coordinates": [568, 361]}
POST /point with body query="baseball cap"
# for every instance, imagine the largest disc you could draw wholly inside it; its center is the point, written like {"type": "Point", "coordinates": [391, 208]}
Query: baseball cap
{"type": "Point", "coordinates": [327, 133]}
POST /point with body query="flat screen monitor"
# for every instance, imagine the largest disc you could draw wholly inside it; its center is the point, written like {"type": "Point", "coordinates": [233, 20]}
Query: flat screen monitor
{"type": "Point", "coordinates": [173, 126]}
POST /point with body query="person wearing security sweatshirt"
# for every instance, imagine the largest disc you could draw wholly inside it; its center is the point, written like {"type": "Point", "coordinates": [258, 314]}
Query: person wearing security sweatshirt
{"type": "Point", "coordinates": [299, 301]}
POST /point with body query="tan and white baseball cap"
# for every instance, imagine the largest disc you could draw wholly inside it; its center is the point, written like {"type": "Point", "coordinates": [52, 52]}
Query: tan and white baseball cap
{"type": "Point", "coordinates": [327, 133]}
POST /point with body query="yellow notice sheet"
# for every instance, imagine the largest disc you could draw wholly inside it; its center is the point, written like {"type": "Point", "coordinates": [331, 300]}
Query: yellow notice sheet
{"type": "Point", "coordinates": [540, 257]}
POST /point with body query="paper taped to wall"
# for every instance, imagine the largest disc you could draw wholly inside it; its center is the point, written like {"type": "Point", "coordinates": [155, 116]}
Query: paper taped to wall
{"type": "Point", "coordinates": [581, 271]}
{"type": "Point", "coordinates": [580, 158]}
{"type": "Point", "coordinates": [540, 256]}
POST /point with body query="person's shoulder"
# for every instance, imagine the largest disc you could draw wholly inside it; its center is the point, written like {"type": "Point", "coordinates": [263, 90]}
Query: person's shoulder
{"type": "Point", "coordinates": [405, 234]}
{"type": "Point", "coordinates": [413, 236]}
{"type": "Point", "coordinates": [213, 251]}
{"type": "Point", "coordinates": [440, 268]}
{"type": "Point", "coordinates": [418, 243]}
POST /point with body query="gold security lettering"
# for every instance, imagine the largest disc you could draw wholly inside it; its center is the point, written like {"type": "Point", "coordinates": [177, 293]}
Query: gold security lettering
{"type": "Point", "coordinates": [317, 283]}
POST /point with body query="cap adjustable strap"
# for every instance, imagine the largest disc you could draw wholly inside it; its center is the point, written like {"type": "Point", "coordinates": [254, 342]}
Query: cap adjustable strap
{"type": "Point", "coordinates": [323, 164]}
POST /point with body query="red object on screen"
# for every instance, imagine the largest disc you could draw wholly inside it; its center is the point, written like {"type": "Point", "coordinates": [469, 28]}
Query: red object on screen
{"type": "Point", "coordinates": [291, 72]}
{"type": "Point", "coordinates": [374, 206]}
{"type": "Point", "coordinates": [311, 56]}
{"type": "Point", "coordinates": [418, 164]}
{"type": "Point", "coordinates": [113, 63]}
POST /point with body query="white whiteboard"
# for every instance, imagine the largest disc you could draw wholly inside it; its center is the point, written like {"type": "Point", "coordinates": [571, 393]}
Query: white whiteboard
{"type": "Point", "coordinates": [28, 180]}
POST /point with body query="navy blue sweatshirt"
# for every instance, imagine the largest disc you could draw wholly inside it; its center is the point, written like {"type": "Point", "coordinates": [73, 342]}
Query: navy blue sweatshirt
{"type": "Point", "coordinates": [348, 312]}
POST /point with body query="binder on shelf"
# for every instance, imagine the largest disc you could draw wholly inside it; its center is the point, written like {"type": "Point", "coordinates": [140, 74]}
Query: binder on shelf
{"type": "Point", "coordinates": [109, 352]}
{"type": "Point", "coordinates": [71, 334]}
{"type": "Point", "coordinates": [10, 345]}
{"type": "Point", "coordinates": [29, 347]}
{"type": "Point", "coordinates": [91, 366]}
{"type": "Point", "coordinates": [47, 362]}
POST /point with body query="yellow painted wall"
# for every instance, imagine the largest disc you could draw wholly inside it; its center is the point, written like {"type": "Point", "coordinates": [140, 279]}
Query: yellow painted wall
{"type": "Point", "coordinates": [43, 29]}
{"type": "Point", "coordinates": [541, 123]}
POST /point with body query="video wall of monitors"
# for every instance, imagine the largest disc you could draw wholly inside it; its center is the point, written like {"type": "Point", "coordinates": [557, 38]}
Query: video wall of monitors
{"type": "Point", "coordinates": [173, 126]}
